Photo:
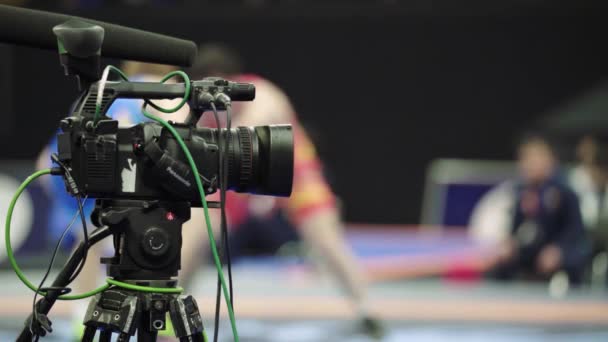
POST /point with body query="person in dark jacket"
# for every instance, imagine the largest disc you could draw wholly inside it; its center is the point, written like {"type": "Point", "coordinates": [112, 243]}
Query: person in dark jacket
{"type": "Point", "coordinates": [547, 231]}
{"type": "Point", "coordinates": [589, 179]}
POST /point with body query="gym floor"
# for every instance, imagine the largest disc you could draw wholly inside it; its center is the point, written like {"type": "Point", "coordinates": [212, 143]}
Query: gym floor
{"type": "Point", "coordinates": [286, 300]}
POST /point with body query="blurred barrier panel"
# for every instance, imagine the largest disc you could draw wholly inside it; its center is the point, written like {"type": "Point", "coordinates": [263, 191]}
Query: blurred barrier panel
{"type": "Point", "coordinates": [28, 228]}
{"type": "Point", "coordinates": [454, 187]}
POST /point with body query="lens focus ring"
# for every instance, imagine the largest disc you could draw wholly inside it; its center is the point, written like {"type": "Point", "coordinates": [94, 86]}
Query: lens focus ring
{"type": "Point", "coordinates": [246, 169]}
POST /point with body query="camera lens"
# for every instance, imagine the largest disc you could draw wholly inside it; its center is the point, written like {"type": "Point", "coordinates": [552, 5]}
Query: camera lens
{"type": "Point", "coordinates": [260, 160]}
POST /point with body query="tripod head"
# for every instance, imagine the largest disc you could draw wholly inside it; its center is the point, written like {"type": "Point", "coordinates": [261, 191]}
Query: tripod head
{"type": "Point", "coordinates": [147, 237]}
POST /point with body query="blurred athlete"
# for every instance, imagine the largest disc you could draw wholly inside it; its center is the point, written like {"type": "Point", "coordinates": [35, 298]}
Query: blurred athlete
{"type": "Point", "coordinates": [311, 209]}
{"type": "Point", "coordinates": [547, 233]}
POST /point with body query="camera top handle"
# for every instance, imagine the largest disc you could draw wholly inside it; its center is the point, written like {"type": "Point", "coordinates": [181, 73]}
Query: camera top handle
{"type": "Point", "coordinates": [202, 94]}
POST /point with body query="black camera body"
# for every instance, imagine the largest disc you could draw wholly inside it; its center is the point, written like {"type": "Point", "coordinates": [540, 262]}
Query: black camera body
{"type": "Point", "coordinates": [145, 161]}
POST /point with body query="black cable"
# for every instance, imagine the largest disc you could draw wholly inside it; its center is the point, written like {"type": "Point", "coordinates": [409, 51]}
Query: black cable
{"type": "Point", "coordinates": [48, 271]}
{"type": "Point", "coordinates": [70, 181]}
{"type": "Point", "coordinates": [218, 292]}
{"type": "Point", "coordinates": [63, 235]}
{"type": "Point", "coordinates": [225, 250]}
{"type": "Point", "coordinates": [86, 241]}
{"type": "Point", "coordinates": [223, 188]}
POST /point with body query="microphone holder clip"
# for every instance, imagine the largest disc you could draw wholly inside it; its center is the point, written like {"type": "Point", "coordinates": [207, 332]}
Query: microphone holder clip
{"type": "Point", "coordinates": [79, 45]}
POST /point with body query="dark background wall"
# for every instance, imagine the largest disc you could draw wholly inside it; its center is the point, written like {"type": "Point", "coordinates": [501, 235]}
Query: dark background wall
{"type": "Point", "coordinates": [384, 89]}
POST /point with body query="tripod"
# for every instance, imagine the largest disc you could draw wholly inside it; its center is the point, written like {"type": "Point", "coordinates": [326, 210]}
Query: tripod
{"type": "Point", "coordinates": [147, 244]}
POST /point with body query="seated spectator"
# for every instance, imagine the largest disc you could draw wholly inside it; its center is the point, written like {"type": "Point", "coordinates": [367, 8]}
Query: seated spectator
{"type": "Point", "coordinates": [589, 179]}
{"type": "Point", "coordinates": [546, 233]}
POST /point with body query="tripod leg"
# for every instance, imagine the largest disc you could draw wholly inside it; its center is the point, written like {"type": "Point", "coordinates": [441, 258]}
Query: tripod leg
{"type": "Point", "coordinates": [144, 333]}
{"type": "Point", "coordinates": [114, 310]}
{"type": "Point", "coordinates": [45, 304]}
{"type": "Point", "coordinates": [186, 318]}
{"type": "Point", "coordinates": [193, 338]}
{"type": "Point", "coordinates": [105, 336]}
{"type": "Point", "coordinates": [123, 337]}
{"type": "Point", "coordinates": [89, 334]}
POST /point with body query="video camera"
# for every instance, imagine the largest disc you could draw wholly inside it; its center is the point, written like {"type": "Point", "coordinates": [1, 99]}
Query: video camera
{"type": "Point", "coordinates": [145, 162]}
{"type": "Point", "coordinates": [145, 179]}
